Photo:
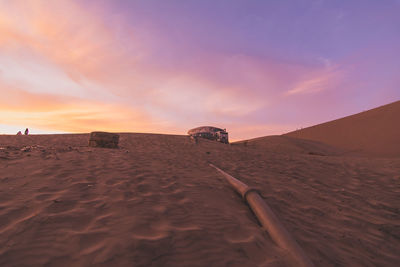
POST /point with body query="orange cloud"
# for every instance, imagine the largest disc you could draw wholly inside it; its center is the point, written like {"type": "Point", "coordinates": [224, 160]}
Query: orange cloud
{"type": "Point", "coordinates": [70, 114]}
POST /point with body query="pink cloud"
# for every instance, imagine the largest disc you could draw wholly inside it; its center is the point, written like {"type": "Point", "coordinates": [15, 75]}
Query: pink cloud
{"type": "Point", "coordinates": [72, 68]}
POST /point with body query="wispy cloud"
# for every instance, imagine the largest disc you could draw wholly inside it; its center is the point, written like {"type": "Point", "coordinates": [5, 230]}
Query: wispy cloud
{"type": "Point", "coordinates": [317, 81]}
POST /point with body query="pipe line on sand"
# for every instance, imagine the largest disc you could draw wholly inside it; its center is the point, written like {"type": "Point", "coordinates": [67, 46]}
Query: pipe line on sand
{"type": "Point", "coordinates": [268, 219]}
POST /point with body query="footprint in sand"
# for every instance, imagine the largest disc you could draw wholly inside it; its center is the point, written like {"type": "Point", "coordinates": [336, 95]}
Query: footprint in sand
{"type": "Point", "coordinates": [91, 179]}
{"type": "Point", "coordinates": [113, 181]}
{"type": "Point", "coordinates": [59, 206]}
{"type": "Point", "coordinates": [160, 208]}
{"type": "Point", "coordinates": [143, 188]}
{"type": "Point", "coordinates": [238, 235]}
{"type": "Point", "coordinates": [11, 217]}
{"type": "Point", "coordinates": [91, 242]}
{"type": "Point", "coordinates": [155, 231]}
{"type": "Point", "coordinates": [172, 186]}
{"type": "Point", "coordinates": [41, 197]}
{"type": "Point", "coordinates": [79, 187]}
{"type": "Point", "coordinates": [177, 195]}
{"type": "Point", "coordinates": [128, 195]}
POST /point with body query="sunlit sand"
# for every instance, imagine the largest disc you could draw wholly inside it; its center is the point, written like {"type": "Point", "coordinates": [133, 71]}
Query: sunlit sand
{"type": "Point", "coordinates": [155, 201]}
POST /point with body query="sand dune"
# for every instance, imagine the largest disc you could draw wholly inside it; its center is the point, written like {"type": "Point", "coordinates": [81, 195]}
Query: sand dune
{"type": "Point", "coordinates": [374, 132]}
{"type": "Point", "coordinates": [289, 145]}
{"type": "Point", "coordinates": [157, 202]}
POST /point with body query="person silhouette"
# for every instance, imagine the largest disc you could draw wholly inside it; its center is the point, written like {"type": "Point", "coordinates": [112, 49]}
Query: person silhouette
{"type": "Point", "coordinates": [26, 131]}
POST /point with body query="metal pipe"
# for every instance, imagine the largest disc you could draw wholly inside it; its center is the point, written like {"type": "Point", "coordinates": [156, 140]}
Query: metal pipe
{"type": "Point", "coordinates": [268, 219]}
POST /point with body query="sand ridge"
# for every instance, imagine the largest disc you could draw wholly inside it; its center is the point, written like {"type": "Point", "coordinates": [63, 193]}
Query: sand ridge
{"type": "Point", "coordinates": [375, 132]}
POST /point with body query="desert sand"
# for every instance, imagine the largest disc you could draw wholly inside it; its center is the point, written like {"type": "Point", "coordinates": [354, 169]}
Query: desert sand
{"type": "Point", "coordinates": [155, 201]}
{"type": "Point", "coordinates": [375, 132]}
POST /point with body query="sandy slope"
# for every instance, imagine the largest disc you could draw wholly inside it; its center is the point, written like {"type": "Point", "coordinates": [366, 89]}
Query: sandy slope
{"type": "Point", "coordinates": [290, 145]}
{"type": "Point", "coordinates": [374, 132]}
{"type": "Point", "coordinates": [156, 202]}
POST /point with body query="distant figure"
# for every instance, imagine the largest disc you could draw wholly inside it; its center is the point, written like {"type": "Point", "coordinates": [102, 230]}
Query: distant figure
{"type": "Point", "coordinates": [19, 133]}
{"type": "Point", "coordinates": [26, 131]}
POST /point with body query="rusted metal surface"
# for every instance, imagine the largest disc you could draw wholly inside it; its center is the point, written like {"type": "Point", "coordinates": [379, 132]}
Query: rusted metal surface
{"type": "Point", "coordinates": [209, 132]}
{"type": "Point", "coordinates": [268, 220]}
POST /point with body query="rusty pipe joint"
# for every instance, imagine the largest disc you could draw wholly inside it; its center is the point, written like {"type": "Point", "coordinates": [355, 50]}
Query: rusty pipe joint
{"type": "Point", "coordinates": [248, 190]}
{"type": "Point", "coordinates": [268, 220]}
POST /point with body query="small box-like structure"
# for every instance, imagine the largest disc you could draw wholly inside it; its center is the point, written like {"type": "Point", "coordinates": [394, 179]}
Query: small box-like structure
{"type": "Point", "coordinates": [103, 139]}
{"type": "Point", "coordinates": [209, 132]}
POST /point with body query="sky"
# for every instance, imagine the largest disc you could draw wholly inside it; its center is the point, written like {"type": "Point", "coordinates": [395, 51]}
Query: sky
{"type": "Point", "coordinates": [253, 67]}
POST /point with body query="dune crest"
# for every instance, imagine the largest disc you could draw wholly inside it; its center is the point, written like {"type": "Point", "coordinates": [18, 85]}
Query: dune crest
{"type": "Point", "coordinates": [375, 132]}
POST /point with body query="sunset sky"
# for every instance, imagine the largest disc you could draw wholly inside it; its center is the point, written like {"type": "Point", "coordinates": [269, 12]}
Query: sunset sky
{"type": "Point", "coordinates": [254, 67]}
